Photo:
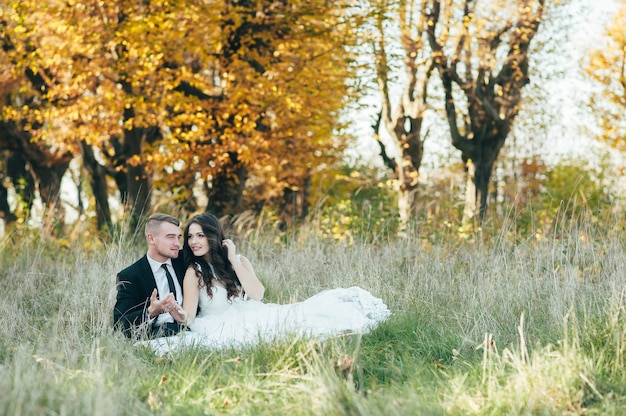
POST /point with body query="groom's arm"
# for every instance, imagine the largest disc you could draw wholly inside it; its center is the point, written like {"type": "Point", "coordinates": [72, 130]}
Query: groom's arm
{"type": "Point", "coordinates": [130, 312]}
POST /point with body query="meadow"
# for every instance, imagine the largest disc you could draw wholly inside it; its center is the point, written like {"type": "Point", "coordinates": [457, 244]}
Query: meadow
{"type": "Point", "coordinates": [490, 324]}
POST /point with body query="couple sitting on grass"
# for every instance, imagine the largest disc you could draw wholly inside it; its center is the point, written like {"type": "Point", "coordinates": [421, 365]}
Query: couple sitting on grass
{"type": "Point", "coordinates": [208, 295]}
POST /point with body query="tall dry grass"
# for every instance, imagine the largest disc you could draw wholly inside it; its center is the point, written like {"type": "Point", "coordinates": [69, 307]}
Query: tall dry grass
{"type": "Point", "coordinates": [495, 325]}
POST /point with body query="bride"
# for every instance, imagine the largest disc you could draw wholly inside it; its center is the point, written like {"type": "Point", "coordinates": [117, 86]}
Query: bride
{"type": "Point", "coordinates": [222, 299]}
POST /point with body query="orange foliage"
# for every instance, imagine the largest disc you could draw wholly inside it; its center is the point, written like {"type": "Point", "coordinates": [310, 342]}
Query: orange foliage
{"type": "Point", "coordinates": [607, 65]}
{"type": "Point", "coordinates": [187, 91]}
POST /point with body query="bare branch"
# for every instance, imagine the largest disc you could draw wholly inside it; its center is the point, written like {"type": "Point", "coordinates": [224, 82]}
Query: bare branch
{"type": "Point", "coordinates": [389, 162]}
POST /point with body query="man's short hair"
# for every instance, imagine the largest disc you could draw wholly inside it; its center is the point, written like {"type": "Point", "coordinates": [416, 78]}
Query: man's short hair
{"type": "Point", "coordinates": [155, 221]}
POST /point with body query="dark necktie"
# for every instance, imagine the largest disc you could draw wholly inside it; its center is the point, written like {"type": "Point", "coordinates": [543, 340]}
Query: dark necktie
{"type": "Point", "coordinates": [170, 280]}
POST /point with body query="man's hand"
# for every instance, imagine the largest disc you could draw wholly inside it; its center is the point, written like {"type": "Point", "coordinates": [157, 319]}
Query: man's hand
{"type": "Point", "coordinates": [159, 306]}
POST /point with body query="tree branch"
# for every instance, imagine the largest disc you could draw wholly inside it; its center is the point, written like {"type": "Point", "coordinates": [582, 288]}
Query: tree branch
{"type": "Point", "coordinates": [389, 162]}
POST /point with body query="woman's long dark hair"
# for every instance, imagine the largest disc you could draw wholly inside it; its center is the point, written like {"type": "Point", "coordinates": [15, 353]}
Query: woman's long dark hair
{"type": "Point", "coordinates": [214, 232]}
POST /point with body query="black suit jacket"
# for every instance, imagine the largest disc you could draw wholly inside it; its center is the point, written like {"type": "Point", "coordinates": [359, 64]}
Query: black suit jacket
{"type": "Point", "coordinates": [134, 287]}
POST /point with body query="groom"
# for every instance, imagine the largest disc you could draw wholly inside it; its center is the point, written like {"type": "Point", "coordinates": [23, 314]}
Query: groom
{"type": "Point", "coordinates": [149, 292]}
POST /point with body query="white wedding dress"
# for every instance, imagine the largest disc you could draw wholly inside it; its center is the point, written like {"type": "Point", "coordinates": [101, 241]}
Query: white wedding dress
{"type": "Point", "coordinates": [237, 322]}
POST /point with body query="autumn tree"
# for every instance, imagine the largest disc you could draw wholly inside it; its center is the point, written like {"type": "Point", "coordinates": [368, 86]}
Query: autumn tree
{"type": "Point", "coordinates": [23, 91]}
{"type": "Point", "coordinates": [482, 52]}
{"type": "Point", "coordinates": [285, 69]}
{"type": "Point", "coordinates": [403, 121]}
{"type": "Point", "coordinates": [162, 97]}
{"type": "Point", "coordinates": [606, 65]}
{"type": "Point", "coordinates": [139, 61]}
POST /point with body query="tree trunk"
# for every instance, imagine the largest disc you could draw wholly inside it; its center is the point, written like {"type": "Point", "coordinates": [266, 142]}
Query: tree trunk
{"type": "Point", "coordinates": [50, 176]}
{"type": "Point", "coordinates": [479, 171]}
{"type": "Point", "coordinates": [47, 166]}
{"type": "Point", "coordinates": [117, 167]}
{"type": "Point", "coordinates": [480, 163]}
{"type": "Point", "coordinates": [225, 193]}
{"type": "Point", "coordinates": [98, 183]}
{"type": "Point", "coordinates": [138, 179]}
{"type": "Point", "coordinates": [295, 203]}
{"type": "Point", "coordinates": [482, 178]}
{"type": "Point", "coordinates": [469, 207]}
{"type": "Point", "coordinates": [23, 181]}
{"type": "Point", "coordinates": [406, 202]}
{"type": "Point", "coordinates": [410, 146]}
{"type": "Point", "coordinates": [5, 209]}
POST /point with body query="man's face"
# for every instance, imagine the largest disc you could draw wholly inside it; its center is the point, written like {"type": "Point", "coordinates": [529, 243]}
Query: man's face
{"type": "Point", "coordinates": [165, 242]}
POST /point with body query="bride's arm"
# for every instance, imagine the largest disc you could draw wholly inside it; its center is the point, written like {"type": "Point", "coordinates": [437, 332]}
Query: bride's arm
{"type": "Point", "coordinates": [245, 272]}
{"type": "Point", "coordinates": [191, 294]}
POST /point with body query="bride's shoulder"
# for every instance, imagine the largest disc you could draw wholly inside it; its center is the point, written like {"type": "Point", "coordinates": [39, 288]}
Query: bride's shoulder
{"type": "Point", "coordinates": [194, 267]}
{"type": "Point", "coordinates": [193, 273]}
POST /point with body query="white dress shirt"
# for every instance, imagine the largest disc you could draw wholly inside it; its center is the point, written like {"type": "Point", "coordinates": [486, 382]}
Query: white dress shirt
{"type": "Point", "coordinates": [163, 287]}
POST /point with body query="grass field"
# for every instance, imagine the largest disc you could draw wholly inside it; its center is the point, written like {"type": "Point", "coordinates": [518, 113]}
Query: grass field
{"type": "Point", "coordinates": [486, 326]}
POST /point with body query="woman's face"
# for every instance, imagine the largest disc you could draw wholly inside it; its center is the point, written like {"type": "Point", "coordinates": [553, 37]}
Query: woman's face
{"type": "Point", "coordinates": [197, 241]}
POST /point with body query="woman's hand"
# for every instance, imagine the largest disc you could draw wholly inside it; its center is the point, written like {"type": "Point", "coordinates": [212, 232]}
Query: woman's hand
{"type": "Point", "coordinates": [242, 267]}
{"type": "Point", "coordinates": [166, 305]}
{"type": "Point", "coordinates": [179, 314]}
{"type": "Point", "coordinates": [231, 250]}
